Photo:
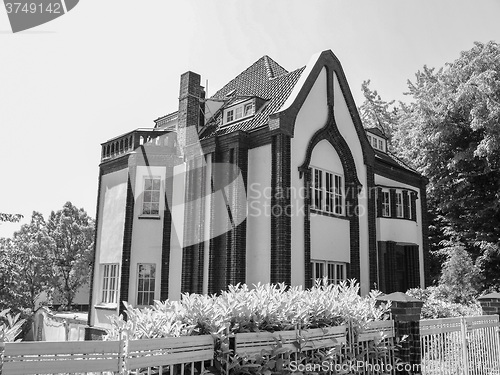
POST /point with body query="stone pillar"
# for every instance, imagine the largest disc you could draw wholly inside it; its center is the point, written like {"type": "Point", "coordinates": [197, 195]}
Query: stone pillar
{"type": "Point", "coordinates": [490, 303]}
{"type": "Point", "coordinates": [405, 311]}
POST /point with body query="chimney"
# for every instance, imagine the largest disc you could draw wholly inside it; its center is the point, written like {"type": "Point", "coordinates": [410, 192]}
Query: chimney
{"type": "Point", "coordinates": [189, 110]}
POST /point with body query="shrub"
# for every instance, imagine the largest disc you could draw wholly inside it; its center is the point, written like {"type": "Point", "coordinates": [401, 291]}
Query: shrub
{"type": "Point", "coordinates": [266, 307]}
{"type": "Point", "coordinates": [10, 326]}
{"type": "Point", "coordinates": [436, 304]}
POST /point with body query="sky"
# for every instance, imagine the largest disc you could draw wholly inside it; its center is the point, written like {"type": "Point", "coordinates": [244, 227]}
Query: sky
{"type": "Point", "coordinates": [108, 67]}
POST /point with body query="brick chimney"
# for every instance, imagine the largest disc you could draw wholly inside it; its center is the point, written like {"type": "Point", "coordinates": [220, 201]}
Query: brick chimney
{"type": "Point", "coordinates": [189, 111]}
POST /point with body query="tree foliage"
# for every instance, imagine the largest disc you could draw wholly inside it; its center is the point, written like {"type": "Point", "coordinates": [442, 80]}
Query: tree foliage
{"type": "Point", "coordinates": [377, 113]}
{"type": "Point", "coordinates": [46, 256]}
{"type": "Point", "coordinates": [72, 234]}
{"type": "Point", "coordinates": [10, 218]}
{"type": "Point", "coordinates": [450, 132]}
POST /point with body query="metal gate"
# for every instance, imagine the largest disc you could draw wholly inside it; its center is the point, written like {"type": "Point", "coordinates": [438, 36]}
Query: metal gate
{"type": "Point", "coordinates": [465, 345]}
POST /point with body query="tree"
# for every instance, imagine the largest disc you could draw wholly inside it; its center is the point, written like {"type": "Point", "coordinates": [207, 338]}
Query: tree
{"type": "Point", "coordinates": [25, 268]}
{"type": "Point", "coordinates": [459, 279]}
{"type": "Point", "coordinates": [72, 232]}
{"type": "Point", "coordinates": [11, 218]}
{"type": "Point", "coordinates": [451, 134]}
{"type": "Point", "coordinates": [377, 113]}
{"type": "Point", "coordinates": [30, 254]}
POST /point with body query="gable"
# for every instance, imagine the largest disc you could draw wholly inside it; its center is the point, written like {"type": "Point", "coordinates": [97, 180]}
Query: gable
{"type": "Point", "coordinates": [336, 88]}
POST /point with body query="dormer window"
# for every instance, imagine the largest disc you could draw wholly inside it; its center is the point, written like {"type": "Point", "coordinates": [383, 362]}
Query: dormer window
{"type": "Point", "coordinates": [239, 111]}
{"type": "Point", "coordinates": [377, 139]}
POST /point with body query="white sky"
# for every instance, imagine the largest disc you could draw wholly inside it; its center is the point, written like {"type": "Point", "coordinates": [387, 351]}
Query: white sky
{"type": "Point", "coordinates": [110, 66]}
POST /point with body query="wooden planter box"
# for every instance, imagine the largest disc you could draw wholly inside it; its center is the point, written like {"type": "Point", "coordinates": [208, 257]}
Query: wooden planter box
{"type": "Point", "coordinates": [253, 343]}
{"type": "Point", "coordinates": [326, 337]}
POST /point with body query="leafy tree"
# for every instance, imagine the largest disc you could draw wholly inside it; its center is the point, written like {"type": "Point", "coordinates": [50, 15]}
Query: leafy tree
{"type": "Point", "coordinates": [450, 132]}
{"type": "Point", "coordinates": [11, 218]}
{"type": "Point", "coordinates": [8, 275]}
{"type": "Point", "coordinates": [459, 280]}
{"type": "Point", "coordinates": [72, 232]}
{"type": "Point", "coordinates": [25, 268]}
{"type": "Point", "coordinates": [30, 253]}
{"type": "Point", "coordinates": [377, 113]}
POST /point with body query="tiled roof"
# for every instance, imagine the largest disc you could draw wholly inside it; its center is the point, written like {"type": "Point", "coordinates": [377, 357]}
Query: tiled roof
{"type": "Point", "coordinates": [376, 131]}
{"type": "Point", "coordinates": [393, 160]}
{"type": "Point", "coordinates": [265, 79]}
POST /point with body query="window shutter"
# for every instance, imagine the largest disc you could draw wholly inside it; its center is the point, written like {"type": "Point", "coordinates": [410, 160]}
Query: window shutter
{"type": "Point", "coordinates": [413, 204]}
{"type": "Point", "coordinates": [379, 202]}
{"type": "Point", "coordinates": [392, 194]}
{"type": "Point", "coordinates": [406, 205]}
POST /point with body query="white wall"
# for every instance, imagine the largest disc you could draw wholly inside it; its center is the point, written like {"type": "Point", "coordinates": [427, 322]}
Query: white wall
{"type": "Point", "coordinates": [109, 240]}
{"type": "Point", "coordinates": [348, 132]}
{"type": "Point", "coordinates": [330, 238]}
{"type": "Point", "coordinates": [312, 116]}
{"type": "Point", "coordinates": [147, 234]}
{"type": "Point", "coordinates": [258, 242]}
{"type": "Point", "coordinates": [177, 236]}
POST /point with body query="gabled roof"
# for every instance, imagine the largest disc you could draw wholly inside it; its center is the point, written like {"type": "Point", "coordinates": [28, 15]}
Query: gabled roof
{"type": "Point", "coordinates": [392, 160]}
{"type": "Point", "coordinates": [265, 79]}
{"type": "Point", "coordinates": [377, 132]}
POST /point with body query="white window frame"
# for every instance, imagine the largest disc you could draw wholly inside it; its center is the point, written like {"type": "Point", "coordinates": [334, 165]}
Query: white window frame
{"type": "Point", "coordinates": [239, 112]}
{"type": "Point", "coordinates": [386, 204]}
{"type": "Point", "coordinates": [145, 294]}
{"type": "Point", "coordinates": [335, 272]}
{"type": "Point", "coordinates": [150, 201]}
{"type": "Point", "coordinates": [399, 204]}
{"type": "Point", "coordinates": [377, 142]}
{"type": "Point", "coordinates": [109, 286]}
{"type": "Point", "coordinates": [327, 191]}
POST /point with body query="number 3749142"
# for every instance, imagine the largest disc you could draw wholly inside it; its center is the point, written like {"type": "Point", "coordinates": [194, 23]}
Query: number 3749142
{"type": "Point", "coordinates": [33, 8]}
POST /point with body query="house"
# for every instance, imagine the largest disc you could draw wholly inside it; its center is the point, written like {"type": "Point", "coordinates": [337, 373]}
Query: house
{"type": "Point", "coordinates": [271, 179]}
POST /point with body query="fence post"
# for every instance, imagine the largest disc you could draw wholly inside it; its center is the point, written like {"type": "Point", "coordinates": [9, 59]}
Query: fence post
{"type": "Point", "coordinates": [123, 355]}
{"type": "Point", "coordinates": [405, 311]}
{"type": "Point", "coordinates": [465, 351]}
{"type": "Point", "coordinates": [490, 303]}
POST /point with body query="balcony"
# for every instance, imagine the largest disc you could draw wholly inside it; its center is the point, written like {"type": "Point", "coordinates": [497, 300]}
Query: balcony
{"type": "Point", "coordinates": [126, 143]}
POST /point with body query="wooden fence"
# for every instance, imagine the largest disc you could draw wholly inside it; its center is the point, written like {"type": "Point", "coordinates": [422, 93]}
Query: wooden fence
{"type": "Point", "coordinates": [465, 345]}
{"type": "Point", "coordinates": [175, 355]}
{"type": "Point", "coordinates": [340, 349]}
{"type": "Point", "coordinates": [180, 355]}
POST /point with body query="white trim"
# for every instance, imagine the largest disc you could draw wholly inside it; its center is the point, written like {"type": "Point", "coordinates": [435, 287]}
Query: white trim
{"type": "Point", "coordinates": [324, 194]}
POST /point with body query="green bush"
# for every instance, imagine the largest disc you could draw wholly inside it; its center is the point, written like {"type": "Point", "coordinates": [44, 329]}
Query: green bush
{"type": "Point", "coordinates": [265, 307]}
{"type": "Point", "coordinates": [437, 305]}
{"type": "Point", "coordinates": [10, 326]}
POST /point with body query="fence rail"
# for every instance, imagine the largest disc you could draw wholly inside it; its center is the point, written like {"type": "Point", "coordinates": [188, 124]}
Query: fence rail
{"type": "Point", "coordinates": [465, 345]}
{"type": "Point", "coordinates": [177, 355]}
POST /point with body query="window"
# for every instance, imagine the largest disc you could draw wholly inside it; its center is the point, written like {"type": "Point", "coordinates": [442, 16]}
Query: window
{"type": "Point", "coordinates": [239, 111]}
{"type": "Point", "coordinates": [248, 109]}
{"type": "Point", "coordinates": [318, 189]}
{"type": "Point", "coordinates": [327, 192]}
{"type": "Point", "coordinates": [110, 283]}
{"type": "Point", "coordinates": [386, 204]}
{"type": "Point", "coordinates": [335, 272]}
{"type": "Point", "coordinates": [399, 204]}
{"type": "Point", "coordinates": [145, 284]}
{"type": "Point", "coordinates": [380, 145]}
{"type": "Point", "coordinates": [151, 200]}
